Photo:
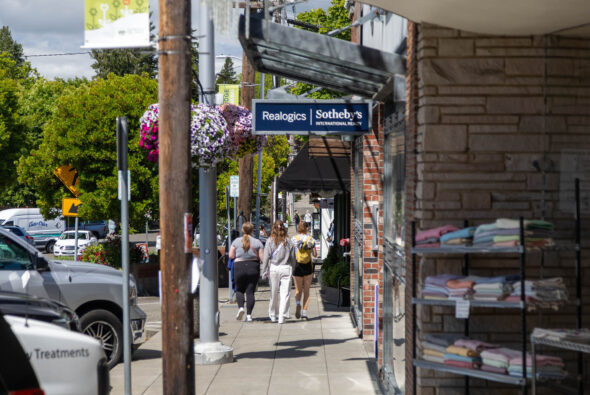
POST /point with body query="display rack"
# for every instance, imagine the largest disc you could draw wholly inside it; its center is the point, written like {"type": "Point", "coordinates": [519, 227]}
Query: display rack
{"type": "Point", "coordinates": [466, 252]}
{"type": "Point", "coordinates": [563, 344]}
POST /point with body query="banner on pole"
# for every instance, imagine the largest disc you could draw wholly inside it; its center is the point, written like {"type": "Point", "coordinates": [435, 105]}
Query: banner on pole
{"type": "Point", "coordinates": [116, 24]}
{"type": "Point", "coordinates": [230, 92]}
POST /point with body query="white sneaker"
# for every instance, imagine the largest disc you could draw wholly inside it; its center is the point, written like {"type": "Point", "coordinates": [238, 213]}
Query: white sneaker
{"type": "Point", "coordinates": [248, 318]}
{"type": "Point", "coordinates": [281, 320]}
{"type": "Point", "coordinates": [304, 315]}
{"type": "Point", "coordinates": [240, 314]}
{"type": "Point", "coordinates": [273, 319]}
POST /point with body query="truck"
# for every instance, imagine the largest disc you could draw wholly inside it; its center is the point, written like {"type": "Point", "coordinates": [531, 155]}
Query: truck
{"type": "Point", "coordinates": [45, 232]}
{"type": "Point", "coordinates": [92, 291]}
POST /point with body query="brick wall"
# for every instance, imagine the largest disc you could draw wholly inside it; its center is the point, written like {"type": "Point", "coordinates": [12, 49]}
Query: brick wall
{"type": "Point", "coordinates": [499, 120]}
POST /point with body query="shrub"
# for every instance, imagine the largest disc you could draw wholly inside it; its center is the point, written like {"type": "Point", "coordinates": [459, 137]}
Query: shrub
{"type": "Point", "coordinates": [94, 254]}
{"type": "Point", "coordinates": [335, 267]}
{"type": "Point", "coordinates": [112, 251]}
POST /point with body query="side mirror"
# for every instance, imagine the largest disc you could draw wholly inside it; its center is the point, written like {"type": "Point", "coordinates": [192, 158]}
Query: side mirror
{"type": "Point", "coordinates": [41, 264]}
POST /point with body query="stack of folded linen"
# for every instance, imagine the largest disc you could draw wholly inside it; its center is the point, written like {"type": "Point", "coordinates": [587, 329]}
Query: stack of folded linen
{"type": "Point", "coordinates": [497, 360]}
{"type": "Point", "coordinates": [462, 357]}
{"type": "Point", "coordinates": [435, 287]}
{"type": "Point", "coordinates": [461, 288]}
{"type": "Point", "coordinates": [547, 293]}
{"type": "Point", "coordinates": [491, 288]}
{"type": "Point", "coordinates": [459, 238]}
{"type": "Point", "coordinates": [506, 233]}
{"type": "Point", "coordinates": [547, 366]}
{"type": "Point", "coordinates": [475, 345]}
{"type": "Point", "coordinates": [581, 336]}
{"type": "Point", "coordinates": [433, 352]}
{"type": "Point", "coordinates": [431, 238]}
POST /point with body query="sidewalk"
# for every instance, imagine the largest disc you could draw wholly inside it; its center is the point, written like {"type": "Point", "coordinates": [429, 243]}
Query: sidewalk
{"type": "Point", "coordinates": [322, 355]}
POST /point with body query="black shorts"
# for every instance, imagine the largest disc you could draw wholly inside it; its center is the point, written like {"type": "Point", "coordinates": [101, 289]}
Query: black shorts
{"type": "Point", "coordinates": [303, 269]}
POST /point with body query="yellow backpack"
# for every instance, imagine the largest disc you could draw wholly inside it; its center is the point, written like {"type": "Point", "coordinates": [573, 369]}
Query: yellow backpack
{"type": "Point", "coordinates": [303, 253]}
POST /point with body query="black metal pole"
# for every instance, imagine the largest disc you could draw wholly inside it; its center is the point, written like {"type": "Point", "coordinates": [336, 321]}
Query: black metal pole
{"type": "Point", "coordinates": [414, 329]}
{"type": "Point", "coordinates": [522, 301]}
{"type": "Point", "coordinates": [466, 324]}
{"type": "Point", "coordinates": [579, 284]}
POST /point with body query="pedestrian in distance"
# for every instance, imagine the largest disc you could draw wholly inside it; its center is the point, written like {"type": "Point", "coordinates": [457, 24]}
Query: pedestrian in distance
{"type": "Point", "coordinates": [302, 275]}
{"type": "Point", "coordinates": [247, 252]}
{"type": "Point", "coordinates": [297, 219]}
{"type": "Point", "coordinates": [277, 264]}
{"type": "Point", "coordinates": [262, 234]}
{"type": "Point", "coordinates": [307, 218]}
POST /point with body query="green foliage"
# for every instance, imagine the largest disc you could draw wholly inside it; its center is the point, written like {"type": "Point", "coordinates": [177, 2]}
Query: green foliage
{"type": "Point", "coordinates": [94, 254]}
{"type": "Point", "coordinates": [335, 267]}
{"type": "Point", "coordinates": [112, 252]}
{"type": "Point", "coordinates": [123, 61]}
{"type": "Point", "coordinates": [81, 132]}
{"type": "Point", "coordinates": [227, 75]}
{"type": "Point", "coordinates": [336, 17]}
{"type": "Point", "coordinates": [8, 45]}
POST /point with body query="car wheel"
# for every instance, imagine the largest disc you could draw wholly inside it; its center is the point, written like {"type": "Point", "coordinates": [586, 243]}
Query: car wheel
{"type": "Point", "coordinates": [49, 246]}
{"type": "Point", "coordinates": [106, 328]}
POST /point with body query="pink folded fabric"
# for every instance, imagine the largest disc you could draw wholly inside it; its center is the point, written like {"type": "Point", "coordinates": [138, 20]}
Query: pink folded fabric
{"type": "Point", "coordinates": [516, 298]}
{"type": "Point", "coordinates": [542, 360]}
{"type": "Point", "coordinates": [501, 354]}
{"type": "Point", "coordinates": [493, 369]}
{"type": "Point", "coordinates": [475, 345]}
{"type": "Point", "coordinates": [456, 284]}
{"type": "Point", "coordinates": [461, 364]}
{"type": "Point", "coordinates": [435, 232]}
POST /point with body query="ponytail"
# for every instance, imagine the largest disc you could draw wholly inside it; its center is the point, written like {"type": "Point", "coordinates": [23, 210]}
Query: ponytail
{"type": "Point", "coordinates": [247, 229]}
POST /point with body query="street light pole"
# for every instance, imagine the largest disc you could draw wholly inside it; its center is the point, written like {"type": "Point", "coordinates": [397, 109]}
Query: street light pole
{"type": "Point", "coordinates": [209, 350]}
{"type": "Point", "coordinates": [175, 195]}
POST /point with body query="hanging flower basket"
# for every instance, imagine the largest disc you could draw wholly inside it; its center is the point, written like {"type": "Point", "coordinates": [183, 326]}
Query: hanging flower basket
{"type": "Point", "coordinates": [210, 140]}
{"type": "Point", "coordinates": [239, 121]}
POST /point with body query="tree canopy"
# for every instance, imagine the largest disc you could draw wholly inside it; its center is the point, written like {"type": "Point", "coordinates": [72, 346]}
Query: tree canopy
{"type": "Point", "coordinates": [227, 75]}
{"type": "Point", "coordinates": [81, 133]}
{"type": "Point", "coordinates": [8, 45]}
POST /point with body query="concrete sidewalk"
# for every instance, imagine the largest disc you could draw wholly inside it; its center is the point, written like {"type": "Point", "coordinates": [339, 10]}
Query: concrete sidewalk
{"type": "Point", "coordinates": [322, 355]}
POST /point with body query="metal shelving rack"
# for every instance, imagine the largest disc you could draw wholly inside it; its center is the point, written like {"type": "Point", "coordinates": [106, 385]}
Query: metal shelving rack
{"type": "Point", "coordinates": [569, 345]}
{"type": "Point", "coordinates": [466, 252]}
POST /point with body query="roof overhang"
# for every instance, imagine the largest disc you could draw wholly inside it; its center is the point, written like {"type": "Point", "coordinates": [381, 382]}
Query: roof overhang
{"type": "Point", "coordinates": [497, 17]}
{"type": "Point", "coordinates": [327, 174]}
{"type": "Point", "coordinates": [319, 59]}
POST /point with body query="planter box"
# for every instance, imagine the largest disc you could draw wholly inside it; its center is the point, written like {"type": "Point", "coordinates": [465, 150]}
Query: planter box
{"type": "Point", "coordinates": [339, 297]}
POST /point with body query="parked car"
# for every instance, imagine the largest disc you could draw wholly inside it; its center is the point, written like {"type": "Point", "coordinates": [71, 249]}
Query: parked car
{"type": "Point", "coordinates": [92, 291]}
{"type": "Point", "coordinates": [20, 232]}
{"type": "Point", "coordinates": [43, 231]}
{"type": "Point", "coordinates": [66, 362]}
{"type": "Point", "coordinates": [42, 309]}
{"type": "Point", "coordinates": [17, 375]}
{"type": "Point", "coordinates": [65, 245]}
{"type": "Point", "coordinates": [99, 229]}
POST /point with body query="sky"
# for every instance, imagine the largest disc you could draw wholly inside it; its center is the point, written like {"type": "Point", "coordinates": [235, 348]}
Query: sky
{"type": "Point", "coordinates": [47, 27]}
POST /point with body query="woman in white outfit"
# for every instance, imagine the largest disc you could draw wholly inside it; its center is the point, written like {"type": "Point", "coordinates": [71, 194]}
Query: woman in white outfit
{"type": "Point", "coordinates": [278, 264]}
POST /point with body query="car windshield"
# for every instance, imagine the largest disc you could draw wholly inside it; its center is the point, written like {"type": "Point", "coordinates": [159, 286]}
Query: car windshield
{"type": "Point", "coordinates": [72, 236]}
{"type": "Point", "coordinates": [16, 231]}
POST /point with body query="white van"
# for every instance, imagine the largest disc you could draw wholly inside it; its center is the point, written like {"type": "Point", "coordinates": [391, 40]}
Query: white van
{"type": "Point", "coordinates": [44, 232]}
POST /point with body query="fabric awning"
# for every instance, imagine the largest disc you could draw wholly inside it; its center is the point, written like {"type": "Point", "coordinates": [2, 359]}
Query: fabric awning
{"type": "Point", "coordinates": [324, 175]}
{"type": "Point", "coordinates": [319, 59]}
{"type": "Point", "coordinates": [498, 17]}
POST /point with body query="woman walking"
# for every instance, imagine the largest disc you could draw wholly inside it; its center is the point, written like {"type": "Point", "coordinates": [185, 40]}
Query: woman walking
{"type": "Point", "coordinates": [305, 249]}
{"type": "Point", "coordinates": [278, 263]}
{"type": "Point", "coordinates": [246, 251]}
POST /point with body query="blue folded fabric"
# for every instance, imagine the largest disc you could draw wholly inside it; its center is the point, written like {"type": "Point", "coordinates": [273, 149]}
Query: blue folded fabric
{"type": "Point", "coordinates": [230, 266]}
{"type": "Point", "coordinates": [464, 233]}
{"type": "Point", "coordinates": [456, 357]}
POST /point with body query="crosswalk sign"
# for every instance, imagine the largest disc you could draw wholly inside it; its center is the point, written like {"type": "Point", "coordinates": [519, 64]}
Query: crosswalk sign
{"type": "Point", "coordinates": [69, 207]}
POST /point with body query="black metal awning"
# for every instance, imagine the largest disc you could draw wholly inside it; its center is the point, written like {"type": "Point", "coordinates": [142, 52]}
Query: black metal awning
{"type": "Point", "coordinates": [319, 59]}
{"type": "Point", "coordinates": [316, 174]}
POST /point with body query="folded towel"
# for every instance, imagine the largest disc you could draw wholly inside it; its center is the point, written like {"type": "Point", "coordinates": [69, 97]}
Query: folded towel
{"type": "Point", "coordinates": [432, 358]}
{"type": "Point", "coordinates": [501, 354]}
{"type": "Point", "coordinates": [542, 360]}
{"type": "Point", "coordinates": [466, 352]}
{"type": "Point", "coordinates": [435, 347]}
{"type": "Point", "coordinates": [442, 339]}
{"type": "Point", "coordinates": [474, 345]}
{"type": "Point", "coordinates": [465, 233]}
{"type": "Point", "coordinates": [441, 279]}
{"type": "Point", "coordinates": [428, 351]}
{"type": "Point", "coordinates": [461, 364]}
{"type": "Point", "coordinates": [456, 357]}
{"type": "Point", "coordinates": [493, 369]}
{"type": "Point", "coordinates": [495, 363]}
{"type": "Point", "coordinates": [435, 232]}
{"type": "Point", "coordinates": [454, 284]}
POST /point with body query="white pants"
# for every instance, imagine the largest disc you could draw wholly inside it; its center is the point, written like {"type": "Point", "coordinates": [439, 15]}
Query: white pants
{"type": "Point", "coordinates": [280, 291]}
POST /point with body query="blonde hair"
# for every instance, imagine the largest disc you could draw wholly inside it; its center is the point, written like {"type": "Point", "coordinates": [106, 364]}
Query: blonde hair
{"type": "Point", "coordinates": [247, 229]}
{"type": "Point", "coordinates": [278, 233]}
{"type": "Point", "coordinates": [302, 227]}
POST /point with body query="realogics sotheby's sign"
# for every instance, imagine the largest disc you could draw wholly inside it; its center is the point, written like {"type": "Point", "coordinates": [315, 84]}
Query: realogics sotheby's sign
{"type": "Point", "coordinates": [311, 117]}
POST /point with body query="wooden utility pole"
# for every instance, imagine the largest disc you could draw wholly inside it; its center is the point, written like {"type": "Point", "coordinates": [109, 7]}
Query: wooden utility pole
{"type": "Point", "coordinates": [246, 164]}
{"type": "Point", "coordinates": [175, 195]}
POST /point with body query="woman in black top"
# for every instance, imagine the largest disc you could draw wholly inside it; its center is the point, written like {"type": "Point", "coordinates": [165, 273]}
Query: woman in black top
{"type": "Point", "coordinates": [247, 252]}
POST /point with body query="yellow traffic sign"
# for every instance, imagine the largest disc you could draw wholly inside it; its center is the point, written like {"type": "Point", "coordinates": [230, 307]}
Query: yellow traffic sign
{"type": "Point", "coordinates": [69, 207]}
{"type": "Point", "coordinates": [69, 176]}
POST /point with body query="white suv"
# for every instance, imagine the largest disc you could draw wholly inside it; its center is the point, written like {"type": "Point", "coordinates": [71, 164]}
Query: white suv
{"type": "Point", "coordinates": [65, 245]}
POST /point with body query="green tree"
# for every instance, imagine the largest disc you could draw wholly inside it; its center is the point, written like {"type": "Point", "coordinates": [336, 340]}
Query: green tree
{"type": "Point", "coordinates": [14, 49]}
{"type": "Point", "coordinates": [227, 75]}
{"type": "Point", "coordinates": [336, 18]}
{"type": "Point", "coordinates": [124, 61]}
{"type": "Point", "coordinates": [81, 132]}
{"type": "Point", "coordinates": [12, 138]}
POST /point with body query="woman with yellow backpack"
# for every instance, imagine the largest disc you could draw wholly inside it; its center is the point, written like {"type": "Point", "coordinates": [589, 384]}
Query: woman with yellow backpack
{"type": "Point", "coordinates": [303, 273]}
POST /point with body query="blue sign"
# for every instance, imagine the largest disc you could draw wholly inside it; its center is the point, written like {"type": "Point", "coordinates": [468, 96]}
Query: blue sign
{"type": "Point", "coordinates": [311, 117]}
